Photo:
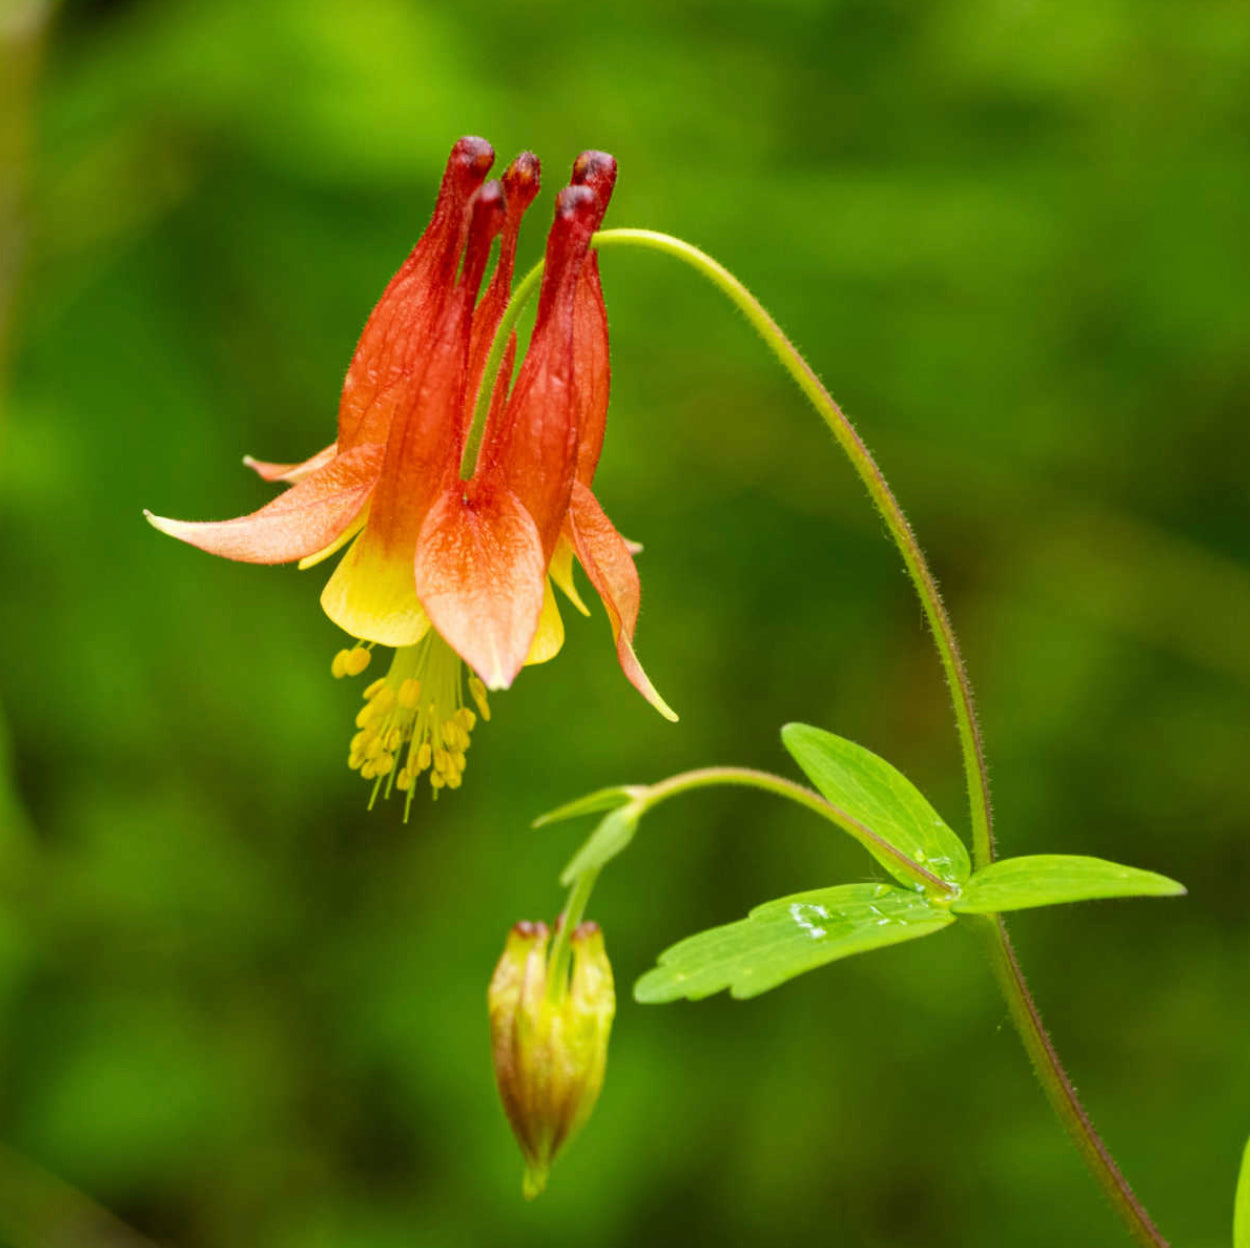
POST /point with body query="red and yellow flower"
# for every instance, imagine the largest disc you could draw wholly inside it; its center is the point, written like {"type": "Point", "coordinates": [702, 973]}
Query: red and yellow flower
{"type": "Point", "coordinates": [448, 570]}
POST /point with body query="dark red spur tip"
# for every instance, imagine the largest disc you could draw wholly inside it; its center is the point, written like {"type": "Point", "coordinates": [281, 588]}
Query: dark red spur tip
{"type": "Point", "coordinates": [467, 166]}
{"type": "Point", "coordinates": [473, 154]}
{"type": "Point", "coordinates": [528, 929]}
{"type": "Point", "coordinates": [521, 182]}
{"type": "Point", "coordinates": [596, 170]}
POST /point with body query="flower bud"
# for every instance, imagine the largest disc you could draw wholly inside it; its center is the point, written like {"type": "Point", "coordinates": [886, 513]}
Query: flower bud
{"type": "Point", "coordinates": [550, 1040]}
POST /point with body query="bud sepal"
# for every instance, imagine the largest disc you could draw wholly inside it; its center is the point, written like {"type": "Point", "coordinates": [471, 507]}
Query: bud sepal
{"type": "Point", "coordinates": [549, 1039]}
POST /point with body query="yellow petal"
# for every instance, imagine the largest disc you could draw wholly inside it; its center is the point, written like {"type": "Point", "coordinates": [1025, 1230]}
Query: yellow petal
{"type": "Point", "coordinates": [550, 636]}
{"type": "Point", "coordinates": [311, 561]}
{"type": "Point", "coordinates": [561, 572]}
{"type": "Point", "coordinates": [373, 596]}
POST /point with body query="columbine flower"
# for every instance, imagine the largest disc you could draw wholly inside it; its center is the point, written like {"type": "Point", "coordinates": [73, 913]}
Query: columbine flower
{"type": "Point", "coordinates": [446, 570]}
{"type": "Point", "coordinates": [549, 1041]}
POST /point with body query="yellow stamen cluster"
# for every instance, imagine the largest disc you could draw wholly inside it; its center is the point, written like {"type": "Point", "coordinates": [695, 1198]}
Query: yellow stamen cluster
{"type": "Point", "coordinates": [414, 719]}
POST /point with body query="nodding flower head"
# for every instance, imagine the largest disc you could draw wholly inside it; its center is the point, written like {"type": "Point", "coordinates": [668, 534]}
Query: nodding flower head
{"type": "Point", "coordinates": [454, 571]}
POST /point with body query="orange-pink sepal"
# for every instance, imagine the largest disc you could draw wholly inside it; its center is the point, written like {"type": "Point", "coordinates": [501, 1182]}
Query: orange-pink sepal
{"type": "Point", "coordinates": [480, 572]}
{"type": "Point", "coordinates": [304, 520]}
{"type": "Point", "coordinates": [291, 472]}
{"type": "Point", "coordinates": [605, 556]}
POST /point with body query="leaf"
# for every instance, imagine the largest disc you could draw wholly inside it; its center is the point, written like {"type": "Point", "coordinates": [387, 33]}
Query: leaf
{"type": "Point", "coordinates": [882, 799]}
{"type": "Point", "coordinates": [1241, 1208]}
{"type": "Point", "coordinates": [613, 833]}
{"type": "Point", "coordinates": [591, 804]}
{"type": "Point", "coordinates": [784, 938]}
{"type": "Point", "coordinates": [1051, 879]}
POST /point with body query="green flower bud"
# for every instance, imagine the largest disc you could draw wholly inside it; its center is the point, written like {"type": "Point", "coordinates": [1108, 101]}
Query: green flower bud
{"type": "Point", "coordinates": [550, 1040]}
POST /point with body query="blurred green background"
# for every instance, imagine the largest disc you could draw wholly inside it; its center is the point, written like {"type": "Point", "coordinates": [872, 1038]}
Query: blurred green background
{"type": "Point", "coordinates": [1012, 238]}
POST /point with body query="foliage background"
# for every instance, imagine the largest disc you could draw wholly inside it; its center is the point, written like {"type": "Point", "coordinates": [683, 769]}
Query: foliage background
{"type": "Point", "coordinates": [1012, 238]}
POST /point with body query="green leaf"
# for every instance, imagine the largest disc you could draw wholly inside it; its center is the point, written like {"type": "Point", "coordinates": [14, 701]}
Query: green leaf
{"type": "Point", "coordinates": [1051, 879]}
{"type": "Point", "coordinates": [591, 804]}
{"type": "Point", "coordinates": [784, 938]}
{"type": "Point", "coordinates": [613, 833]}
{"type": "Point", "coordinates": [880, 798]}
{"type": "Point", "coordinates": [1241, 1208]}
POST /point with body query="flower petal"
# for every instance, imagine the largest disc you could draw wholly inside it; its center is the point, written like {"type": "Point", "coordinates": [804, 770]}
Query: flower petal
{"type": "Point", "coordinates": [307, 518]}
{"type": "Point", "coordinates": [480, 573]}
{"type": "Point", "coordinates": [550, 636]}
{"type": "Point", "coordinates": [320, 556]}
{"type": "Point", "coordinates": [291, 472]}
{"type": "Point", "coordinates": [531, 450]}
{"type": "Point", "coordinates": [371, 594]}
{"type": "Point", "coordinates": [610, 567]}
{"type": "Point", "coordinates": [520, 186]}
{"type": "Point", "coordinates": [396, 337]}
{"type": "Point", "coordinates": [561, 572]}
{"type": "Point", "coordinates": [591, 371]}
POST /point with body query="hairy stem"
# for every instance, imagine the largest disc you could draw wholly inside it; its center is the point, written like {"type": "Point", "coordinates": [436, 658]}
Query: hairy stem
{"type": "Point", "coordinates": [748, 777]}
{"type": "Point", "coordinates": [1024, 1011]}
{"type": "Point", "coordinates": [1054, 1078]}
{"type": "Point", "coordinates": [882, 496]}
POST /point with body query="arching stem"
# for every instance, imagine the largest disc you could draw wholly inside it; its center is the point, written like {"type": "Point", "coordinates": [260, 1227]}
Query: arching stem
{"type": "Point", "coordinates": [1024, 1012]}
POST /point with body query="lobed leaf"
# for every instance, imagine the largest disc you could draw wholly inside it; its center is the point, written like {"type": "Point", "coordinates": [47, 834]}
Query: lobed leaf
{"type": "Point", "coordinates": [784, 938]}
{"type": "Point", "coordinates": [882, 799]}
{"type": "Point", "coordinates": [1052, 879]}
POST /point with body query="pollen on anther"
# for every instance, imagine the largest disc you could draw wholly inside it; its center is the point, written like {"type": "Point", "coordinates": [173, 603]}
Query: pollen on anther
{"type": "Point", "coordinates": [414, 720]}
{"type": "Point", "coordinates": [356, 660]}
{"type": "Point", "coordinates": [478, 690]}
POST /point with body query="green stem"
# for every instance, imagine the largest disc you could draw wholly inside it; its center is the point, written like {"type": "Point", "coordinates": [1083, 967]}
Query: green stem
{"type": "Point", "coordinates": [857, 452]}
{"type": "Point", "coordinates": [1053, 1077]}
{"type": "Point", "coordinates": [748, 777]}
{"type": "Point", "coordinates": [1024, 1012]}
{"type": "Point", "coordinates": [864, 464]}
{"type": "Point", "coordinates": [575, 907]}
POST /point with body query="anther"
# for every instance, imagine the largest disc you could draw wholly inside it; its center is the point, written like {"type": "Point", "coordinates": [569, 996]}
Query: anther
{"type": "Point", "coordinates": [478, 690]}
{"type": "Point", "coordinates": [356, 660]}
